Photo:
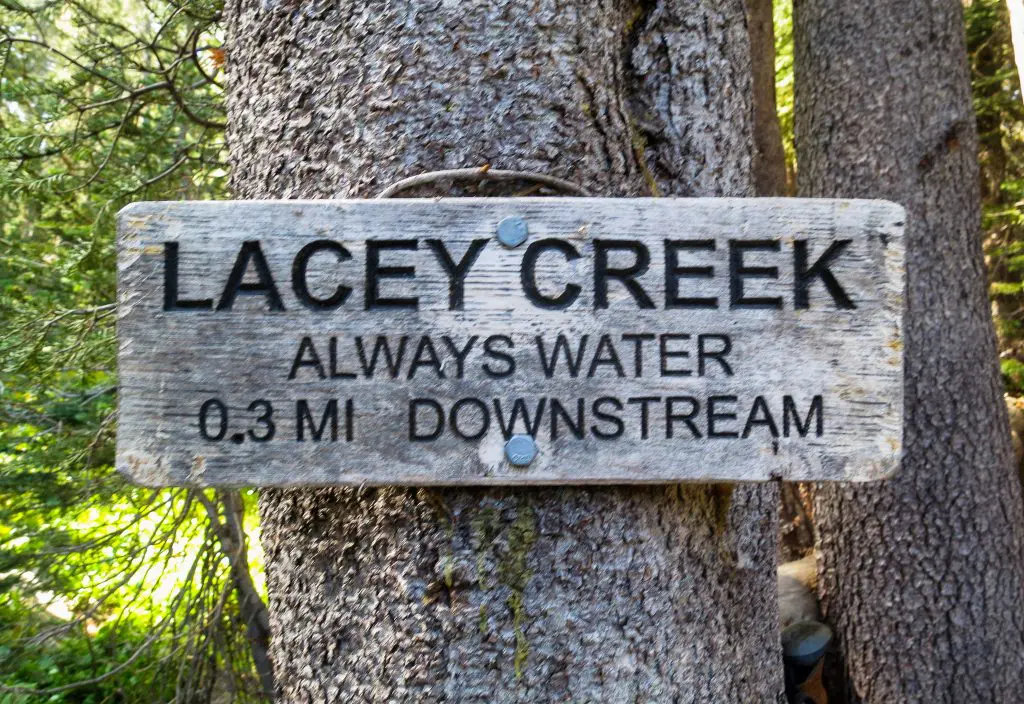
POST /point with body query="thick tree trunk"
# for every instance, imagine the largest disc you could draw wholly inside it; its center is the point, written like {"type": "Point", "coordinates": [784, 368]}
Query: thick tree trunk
{"type": "Point", "coordinates": [548, 594]}
{"type": "Point", "coordinates": [922, 576]}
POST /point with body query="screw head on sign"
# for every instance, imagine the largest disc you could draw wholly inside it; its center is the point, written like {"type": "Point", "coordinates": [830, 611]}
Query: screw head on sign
{"type": "Point", "coordinates": [520, 450]}
{"type": "Point", "coordinates": [512, 231]}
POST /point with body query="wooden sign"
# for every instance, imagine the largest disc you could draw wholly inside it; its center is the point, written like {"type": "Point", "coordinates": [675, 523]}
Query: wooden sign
{"type": "Point", "coordinates": [509, 341]}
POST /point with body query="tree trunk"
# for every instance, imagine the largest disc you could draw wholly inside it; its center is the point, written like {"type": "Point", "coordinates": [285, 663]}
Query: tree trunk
{"type": "Point", "coordinates": [921, 576]}
{"type": "Point", "coordinates": [546, 594]}
{"type": "Point", "coordinates": [769, 155]}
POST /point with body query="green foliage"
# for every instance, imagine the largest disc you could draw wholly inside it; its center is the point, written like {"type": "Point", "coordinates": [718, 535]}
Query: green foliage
{"type": "Point", "coordinates": [124, 589]}
{"type": "Point", "coordinates": [1013, 373]}
{"type": "Point", "coordinates": [72, 656]}
{"type": "Point", "coordinates": [999, 111]}
{"type": "Point", "coordinates": [783, 26]}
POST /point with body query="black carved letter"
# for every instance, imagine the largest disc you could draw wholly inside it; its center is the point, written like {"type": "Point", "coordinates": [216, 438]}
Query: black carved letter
{"type": "Point", "coordinates": [528, 274]}
{"type": "Point", "coordinates": [265, 286]}
{"type": "Point", "coordinates": [171, 300]}
{"type": "Point", "coordinates": [738, 271]}
{"type": "Point", "coordinates": [375, 272]}
{"type": "Point", "coordinates": [674, 272]}
{"type": "Point", "coordinates": [804, 275]}
{"type": "Point", "coordinates": [627, 275]}
{"type": "Point", "coordinates": [456, 272]}
{"type": "Point", "coordinates": [301, 287]}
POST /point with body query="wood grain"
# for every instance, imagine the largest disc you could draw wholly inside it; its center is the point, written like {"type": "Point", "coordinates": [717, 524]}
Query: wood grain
{"type": "Point", "coordinates": [174, 361]}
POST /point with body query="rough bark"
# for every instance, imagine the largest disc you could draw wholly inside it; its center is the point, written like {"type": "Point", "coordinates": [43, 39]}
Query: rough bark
{"type": "Point", "coordinates": [581, 594]}
{"type": "Point", "coordinates": [796, 518]}
{"type": "Point", "coordinates": [921, 576]}
{"type": "Point", "coordinates": [769, 155]}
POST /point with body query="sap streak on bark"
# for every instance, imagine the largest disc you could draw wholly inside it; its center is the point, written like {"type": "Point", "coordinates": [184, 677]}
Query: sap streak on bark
{"type": "Point", "coordinates": [598, 594]}
{"type": "Point", "coordinates": [922, 576]}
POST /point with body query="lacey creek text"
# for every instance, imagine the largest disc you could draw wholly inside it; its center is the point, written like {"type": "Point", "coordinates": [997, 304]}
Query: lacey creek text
{"type": "Point", "coordinates": [402, 342]}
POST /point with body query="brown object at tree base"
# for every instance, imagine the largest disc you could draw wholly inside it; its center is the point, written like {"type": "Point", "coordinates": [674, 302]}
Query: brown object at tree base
{"type": "Point", "coordinates": [798, 597]}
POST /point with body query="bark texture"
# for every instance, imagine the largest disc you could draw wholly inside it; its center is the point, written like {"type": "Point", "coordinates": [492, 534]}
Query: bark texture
{"type": "Point", "coordinates": [921, 576]}
{"type": "Point", "coordinates": [548, 594]}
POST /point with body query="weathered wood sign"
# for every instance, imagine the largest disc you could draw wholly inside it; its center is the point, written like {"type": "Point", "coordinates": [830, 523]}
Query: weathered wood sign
{"type": "Point", "coordinates": [509, 341]}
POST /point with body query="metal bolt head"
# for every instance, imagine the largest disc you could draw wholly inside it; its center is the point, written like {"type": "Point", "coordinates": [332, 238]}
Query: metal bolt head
{"type": "Point", "coordinates": [512, 231]}
{"type": "Point", "coordinates": [520, 450]}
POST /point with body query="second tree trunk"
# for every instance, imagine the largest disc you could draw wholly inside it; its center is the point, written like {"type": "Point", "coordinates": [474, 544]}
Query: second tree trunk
{"type": "Point", "coordinates": [922, 576]}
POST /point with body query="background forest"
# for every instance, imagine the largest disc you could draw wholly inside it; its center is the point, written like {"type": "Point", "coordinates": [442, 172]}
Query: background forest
{"type": "Point", "coordinates": [114, 593]}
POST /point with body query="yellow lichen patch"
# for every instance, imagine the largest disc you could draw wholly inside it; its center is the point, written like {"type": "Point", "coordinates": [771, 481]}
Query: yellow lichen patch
{"type": "Point", "coordinates": [721, 495]}
{"type": "Point", "coordinates": [485, 530]}
{"type": "Point", "coordinates": [511, 570]}
{"type": "Point", "coordinates": [639, 144]}
{"type": "Point", "coordinates": [637, 15]}
{"type": "Point", "coordinates": [483, 619]}
{"type": "Point", "coordinates": [514, 573]}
